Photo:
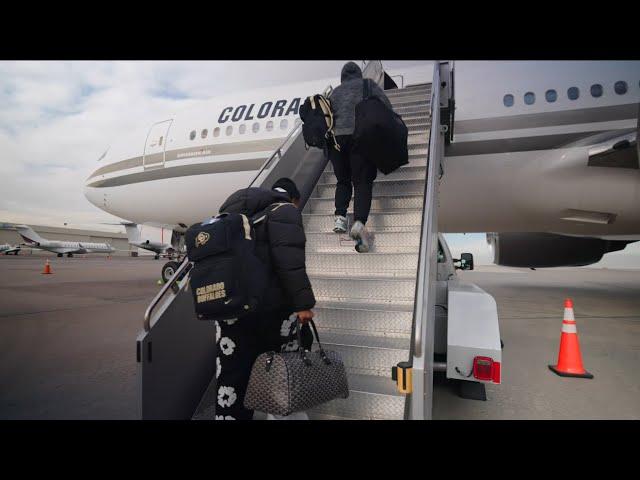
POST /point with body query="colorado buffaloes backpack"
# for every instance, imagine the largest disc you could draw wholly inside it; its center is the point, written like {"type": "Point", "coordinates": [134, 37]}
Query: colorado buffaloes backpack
{"type": "Point", "coordinates": [380, 134]}
{"type": "Point", "coordinates": [317, 118]}
{"type": "Point", "coordinates": [228, 280]}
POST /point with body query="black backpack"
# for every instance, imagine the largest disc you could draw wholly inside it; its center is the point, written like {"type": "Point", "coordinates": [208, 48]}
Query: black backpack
{"type": "Point", "coordinates": [228, 280]}
{"type": "Point", "coordinates": [317, 118]}
{"type": "Point", "coordinates": [380, 134]}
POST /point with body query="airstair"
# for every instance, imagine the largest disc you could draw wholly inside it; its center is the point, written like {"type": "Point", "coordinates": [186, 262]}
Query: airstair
{"type": "Point", "coordinates": [375, 309]}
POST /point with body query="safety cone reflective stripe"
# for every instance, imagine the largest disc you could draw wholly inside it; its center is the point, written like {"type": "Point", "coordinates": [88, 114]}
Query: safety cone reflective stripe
{"type": "Point", "coordinates": [569, 357]}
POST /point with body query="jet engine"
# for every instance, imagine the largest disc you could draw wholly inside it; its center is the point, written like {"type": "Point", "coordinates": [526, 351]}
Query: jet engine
{"type": "Point", "coordinates": [540, 250]}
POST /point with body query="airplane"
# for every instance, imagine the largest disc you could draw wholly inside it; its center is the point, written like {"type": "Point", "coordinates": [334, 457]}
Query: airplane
{"type": "Point", "coordinates": [147, 242]}
{"type": "Point", "coordinates": [33, 240]}
{"type": "Point", "coordinates": [544, 157]}
{"type": "Point", "coordinates": [7, 249]}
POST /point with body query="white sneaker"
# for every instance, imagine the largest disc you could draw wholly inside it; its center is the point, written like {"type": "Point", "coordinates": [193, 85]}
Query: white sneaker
{"type": "Point", "coordinates": [341, 224]}
{"type": "Point", "coordinates": [361, 236]}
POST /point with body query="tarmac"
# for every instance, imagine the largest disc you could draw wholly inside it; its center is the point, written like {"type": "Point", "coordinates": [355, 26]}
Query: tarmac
{"type": "Point", "coordinates": [67, 340]}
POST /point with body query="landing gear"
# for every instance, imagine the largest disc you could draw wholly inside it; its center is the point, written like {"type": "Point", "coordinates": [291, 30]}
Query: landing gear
{"type": "Point", "coordinates": [168, 270]}
{"type": "Point", "coordinates": [60, 255]}
{"type": "Point", "coordinates": [69, 255]}
{"type": "Point", "coordinates": [156, 257]}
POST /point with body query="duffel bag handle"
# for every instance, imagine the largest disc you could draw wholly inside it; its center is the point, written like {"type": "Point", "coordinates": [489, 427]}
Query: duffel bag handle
{"type": "Point", "coordinates": [303, 354]}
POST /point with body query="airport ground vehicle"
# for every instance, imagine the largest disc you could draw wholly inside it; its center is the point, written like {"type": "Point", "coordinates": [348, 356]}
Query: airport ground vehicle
{"type": "Point", "coordinates": [400, 305]}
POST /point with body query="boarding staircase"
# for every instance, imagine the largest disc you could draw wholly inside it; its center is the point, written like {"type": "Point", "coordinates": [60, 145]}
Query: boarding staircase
{"type": "Point", "coordinates": [364, 306]}
{"type": "Point", "coordinates": [375, 309]}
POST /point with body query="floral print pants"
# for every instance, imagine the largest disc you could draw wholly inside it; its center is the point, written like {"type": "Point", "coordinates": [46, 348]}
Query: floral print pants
{"type": "Point", "coordinates": [239, 342]}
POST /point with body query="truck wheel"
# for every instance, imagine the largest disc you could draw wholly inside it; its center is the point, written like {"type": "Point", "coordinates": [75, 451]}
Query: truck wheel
{"type": "Point", "coordinates": [168, 270]}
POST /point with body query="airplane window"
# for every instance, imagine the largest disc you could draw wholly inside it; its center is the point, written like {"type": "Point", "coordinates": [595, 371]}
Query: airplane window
{"type": "Point", "coordinates": [596, 90]}
{"type": "Point", "coordinates": [298, 121]}
{"type": "Point", "coordinates": [551, 96]}
{"type": "Point", "coordinates": [160, 141]}
{"type": "Point", "coordinates": [192, 135]}
{"type": "Point", "coordinates": [508, 100]}
{"type": "Point", "coordinates": [573, 93]}
{"type": "Point", "coordinates": [529, 98]}
{"type": "Point", "coordinates": [284, 123]}
{"type": "Point", "coordinates": [242, 129]}
{"type": "Point", "coordinates": [204, 133]}
{"type": "Point", "coordinates": [269, 125]}
{"type": "Point", "coordinates": [255, 128]}
{"type": "Point", "coordinates": [216, 132]}
{"type": "Point", "coordinates": [229, 130]}
{"type": "Point", "coordinates": [620, 87]}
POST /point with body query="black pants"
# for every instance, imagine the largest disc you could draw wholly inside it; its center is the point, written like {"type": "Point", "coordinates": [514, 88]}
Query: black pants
{"type": "Point", "coordinates": [239, 342]}
{"type": "Point", "coordinates": [352, 169]}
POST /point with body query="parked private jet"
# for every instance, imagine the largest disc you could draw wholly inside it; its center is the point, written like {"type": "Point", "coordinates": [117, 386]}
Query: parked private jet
{"type": "Point", "coordinates": [544, 155]}
{"type": "Point", "coordinates": [8, 249]}
{"type": "Point", "coordinates": [149, 241]}
{"type": "Point", "coordinates": [33, 240]}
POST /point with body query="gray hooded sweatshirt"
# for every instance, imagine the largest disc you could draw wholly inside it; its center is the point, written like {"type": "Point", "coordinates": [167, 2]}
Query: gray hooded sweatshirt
{"type": "Point", "coordinates": [347, 95]}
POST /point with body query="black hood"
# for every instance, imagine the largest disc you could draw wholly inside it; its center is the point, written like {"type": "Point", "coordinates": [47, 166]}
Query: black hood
{"type": "Point", "coordinates": [350, 71]}
{"type": "Point", "coordinates": [251, 201]}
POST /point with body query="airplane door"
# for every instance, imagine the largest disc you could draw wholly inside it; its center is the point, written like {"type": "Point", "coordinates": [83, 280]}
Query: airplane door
{"type": "Point", "coordinates": [155, 145]}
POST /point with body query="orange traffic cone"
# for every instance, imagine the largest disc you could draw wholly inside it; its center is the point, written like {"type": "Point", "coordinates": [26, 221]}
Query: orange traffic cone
{"type": "Point", "coordinates": [569, 357]}
{"type": "Point", "coordinates": [47, 268]}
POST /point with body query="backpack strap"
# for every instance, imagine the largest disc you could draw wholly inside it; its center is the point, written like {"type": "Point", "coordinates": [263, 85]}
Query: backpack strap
{"type": "Point", "coordinates": [366, 88]}
{"type": "Point", "coordinates": [325, 105]}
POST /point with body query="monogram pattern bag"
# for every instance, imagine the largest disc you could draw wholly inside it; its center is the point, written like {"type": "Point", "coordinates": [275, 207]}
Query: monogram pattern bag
{"type": "Point", "coordinates": [282, 383]}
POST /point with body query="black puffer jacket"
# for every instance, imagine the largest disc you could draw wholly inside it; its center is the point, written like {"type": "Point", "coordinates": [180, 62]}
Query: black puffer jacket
{"type": "Point", "coordinates": [280, 243]}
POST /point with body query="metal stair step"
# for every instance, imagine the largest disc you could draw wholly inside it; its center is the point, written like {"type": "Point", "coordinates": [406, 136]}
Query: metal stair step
{"type": "Point", "coordinates": [406, 172]}
{"type": "Point", "coordinates": [363, 291]}
{"type": "Point", "coordinates": [381, 186]}
{"type": "Point", "coordinates": [410, 101]}
{"type": "Point", "coordinates": [407, 92]}
{"type": "Point", "coordinates": [342, 318]}
{"type": "Point", "coordinates": [415, 160]}
{"type": "Point", "coordinates": [415, 110]}
{"type": "Point", "coordinates": [417, 120]}
{"type": "Point", "coordinates": [370, 398]}
{"type": "Point", "coordinates": [384, 242]}
{"type": "Point", "coordinates": [368, 355]}
{"type": "Point", "coordinates": [379, 203]}
{"type": "Point", "coordinates": [399, 265]}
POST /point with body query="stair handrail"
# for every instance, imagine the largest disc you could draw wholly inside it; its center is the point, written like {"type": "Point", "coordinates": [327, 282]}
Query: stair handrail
{"type": "Point", "coordinates": [424, 305]}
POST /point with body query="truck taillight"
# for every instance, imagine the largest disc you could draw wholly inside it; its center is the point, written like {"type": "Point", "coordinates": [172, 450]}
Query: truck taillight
{"type": "Point", "coordinates": [484, 368]}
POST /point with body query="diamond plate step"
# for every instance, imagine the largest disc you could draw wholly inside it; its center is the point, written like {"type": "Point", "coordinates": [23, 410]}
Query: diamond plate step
{"type": "Point", "coordinates": [384, 242]}
{"type": "Point", "coordinates": [405, 102]}
{"type": "Point", "coordinates": [406, 172]}
{"type": "Point", "coordinates": [420, 109]}
{"type": "Point", "coordinates": [364, 291]}
{"type": "Point", "coordinates": [381, 186]}
{"type": "Point", "coordinates": [370, 398]}
{"type": "Point", "coordinates": [407, 92]}
{"type": "Point", "coordinates": [415, 160]}
{"type": "Point", "coordinates": [399, 265]}
{"type": "Point", "coordinates": [367, 354]}
{"type": "Point", "coordinates": [321, 222]}
{"type": "Point", "coordinates": [342, 318]}
{"type": "Point", "coordinates": [379, 203]}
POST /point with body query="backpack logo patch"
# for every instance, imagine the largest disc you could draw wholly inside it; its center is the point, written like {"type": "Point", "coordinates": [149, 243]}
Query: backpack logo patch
{"type": "Point", "coordinates": [202, 238]}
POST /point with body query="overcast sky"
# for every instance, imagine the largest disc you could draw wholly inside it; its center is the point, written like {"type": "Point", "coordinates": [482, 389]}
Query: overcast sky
{"type": "Point", "coordinates": [57, 118]}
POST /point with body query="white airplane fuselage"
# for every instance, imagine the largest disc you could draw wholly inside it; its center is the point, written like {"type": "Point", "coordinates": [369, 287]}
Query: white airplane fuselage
{"type": "Point", "coordinates": [524, 167]}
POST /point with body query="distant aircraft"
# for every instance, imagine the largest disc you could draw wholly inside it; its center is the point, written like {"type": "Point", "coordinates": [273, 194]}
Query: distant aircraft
{"type": "Point", "coordinates": [7, 249]}
{"type": "Point", "coordinates": [34, 240]}
{"type": "Point", "coordinates": [149, 240]}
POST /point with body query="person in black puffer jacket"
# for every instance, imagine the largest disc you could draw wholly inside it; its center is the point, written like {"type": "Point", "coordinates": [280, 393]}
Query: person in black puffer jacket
{"type": "Point", "coordinates": [280, 244]}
